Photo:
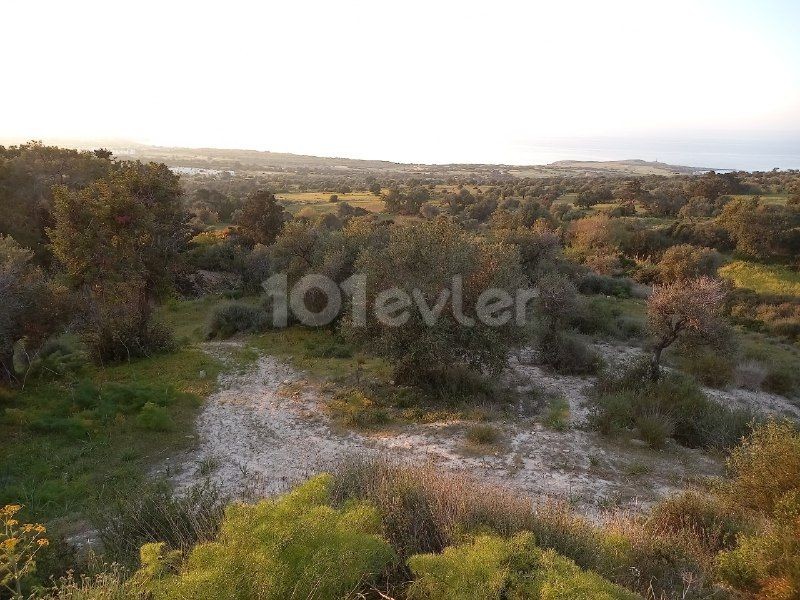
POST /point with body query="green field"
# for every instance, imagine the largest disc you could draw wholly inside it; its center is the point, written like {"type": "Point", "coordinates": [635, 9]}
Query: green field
{"type": "Point", "coordinates": [764, 279]}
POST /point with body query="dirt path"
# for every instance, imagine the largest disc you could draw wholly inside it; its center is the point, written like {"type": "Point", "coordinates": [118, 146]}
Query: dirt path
{"type": "Point", "coordinates": [266, 429]}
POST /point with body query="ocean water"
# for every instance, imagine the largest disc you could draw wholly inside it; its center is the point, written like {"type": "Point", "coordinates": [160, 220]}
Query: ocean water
{"type": "Point", "coordinates": [750, 154]}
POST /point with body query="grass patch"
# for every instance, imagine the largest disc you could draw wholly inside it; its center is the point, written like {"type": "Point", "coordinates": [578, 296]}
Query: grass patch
{"type": "Point", "coordinates": [65, 447]}
{"type": "Point", "coordinates": [764, 279]}
{"type": "Point", "coordinates": [557, 415]}
{"type": "Point", "coordinates": [321, 204]}
{"type": "Point", "coordinates": [483, 434]}
{"type": "Point", "coordinates": [354, 408]}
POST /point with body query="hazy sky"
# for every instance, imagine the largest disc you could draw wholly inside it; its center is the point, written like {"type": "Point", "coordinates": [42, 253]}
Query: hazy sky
{"type": "Point", "coordinates": [413, 81]}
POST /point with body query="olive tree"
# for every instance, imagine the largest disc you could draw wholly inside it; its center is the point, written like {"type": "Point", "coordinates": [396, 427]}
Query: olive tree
{"type": "Point", "coordinates": [431, 280]}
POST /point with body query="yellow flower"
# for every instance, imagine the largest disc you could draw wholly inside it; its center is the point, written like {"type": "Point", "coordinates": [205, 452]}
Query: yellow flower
{"type": "Point", "coordinates": [39, 528]}
{"type": "Point", "coordinates": [12, 522]}
{"type": "Point", "coordinates": [42, 542]}
{"type": "Point", "coordinates": [27, 528]}
{"type": "Point", "coordinates": [9, 510]}
{"type": "Point", "coordinates": [10, 543]}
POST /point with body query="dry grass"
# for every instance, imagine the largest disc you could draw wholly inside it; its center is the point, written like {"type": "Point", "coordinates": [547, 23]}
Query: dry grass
{"type": "Point", "coordinates": [425, 510]}
{"type": "Point", "coordinates": [320, 201]}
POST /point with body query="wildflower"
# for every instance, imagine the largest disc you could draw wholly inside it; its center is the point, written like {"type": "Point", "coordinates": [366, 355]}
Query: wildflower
{"type": "Point", "coordinates": [9, 544]}
{"type": "Point", "coordinates": [9, 510]}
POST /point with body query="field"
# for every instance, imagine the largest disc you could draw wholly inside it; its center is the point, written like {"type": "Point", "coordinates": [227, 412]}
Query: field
{"type": "Point", "coordinates": [764, 279]}
{"type": "Point", "coordinates": [320, 202]}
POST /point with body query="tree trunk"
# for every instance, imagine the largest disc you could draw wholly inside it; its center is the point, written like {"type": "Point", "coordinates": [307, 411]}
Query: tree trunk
{"type": "Point", "coordinates": [655, 363]}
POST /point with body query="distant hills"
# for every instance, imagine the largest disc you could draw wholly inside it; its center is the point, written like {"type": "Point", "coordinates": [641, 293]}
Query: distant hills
{"type": "Point", "coordinates": [266, 161]}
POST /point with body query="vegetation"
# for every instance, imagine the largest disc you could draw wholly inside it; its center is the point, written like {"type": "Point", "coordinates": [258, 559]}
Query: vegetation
{"type": "Point", "coordinates": [112, 273]}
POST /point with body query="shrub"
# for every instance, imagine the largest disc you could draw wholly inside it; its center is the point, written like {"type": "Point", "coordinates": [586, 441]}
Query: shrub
{"type": "Point", "coordinates": [750, 375]}
{"type": "Point", "coordinates": [483, 434]}
{"type": "Point", "coordinates": [767, 564]}
{"type": "Point", "coordinates": [115, 335]}
{"type": "Point", "coordinates": [685, 261]}
{"type": "Point", "coordinates": [355, 409]}
{"type": "Point", "coordinates": [58, 357]}
{"type": "Point", "coordinates": [557, 414]}
{"type": "Point", "coordinates": [154, 418]}
{"type": "Point", "coordinates": [155, 514]}
{"type": "Point", "coordinates": [705, 518]}
{"type": "Point", "coordinates": [257, 267]}
{"type": "Point", "coordinates": [492, 567]}
{"type": "Point", "coordinates": [235, 317]}
{"type": "Point", "coordinates": [595, 283]}
{"type": "Point", "coordinates": [423, 510]}
{"type": "Point", "coordinates": [765, 466]}
{"type": "Point", "coordinates": [655, 428]}
{"type": "Point", "coordinates": [227, 255]}
{"type": "Point", "coordinates": [714, 369]}
{"type": "Point", "coordinates": [623, 396]}
{"type": "Point", "coordinates": [568, 354]}
{"type": "Point", "coordinates": [782, 379]}
{"type": "Point", "coordinates": [296, 546]}
{"type": "Point", "coordinates": [595, 316]}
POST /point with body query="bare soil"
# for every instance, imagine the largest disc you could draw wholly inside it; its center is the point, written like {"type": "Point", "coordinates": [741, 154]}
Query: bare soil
{"type": "Point", "coordinates": [266, 429]}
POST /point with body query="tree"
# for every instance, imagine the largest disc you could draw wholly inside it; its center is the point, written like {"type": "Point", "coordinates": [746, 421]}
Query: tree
{"type": "Point", "coordinates": [119, 241]}
{"type": "Point", "coordinates": [686, 310]}
{"type": "Point", "coordinates": [375, 188]}
{"type": "Point", "coordinates": [539, 248]}
{"type": "Point", "coordinates": [261, 218]}
{"type": "Point", "coordinates": [27, 176]}
{"type": "Point", "coordinates": [685, 261]}
{"type": "Point", "coordinates": [759, 230]}
{"type": "Point", "coordinates": [426, 257]}
{"type": "Point", "coordinates": [590, 197]}
{"type": "Point", "coordinates": [406, 202]}
{"type": "Point", "coordinates": [23, 290]}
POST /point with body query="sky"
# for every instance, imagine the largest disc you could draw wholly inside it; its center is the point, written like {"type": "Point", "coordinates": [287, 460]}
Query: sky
{"type": "Point", "coordinates": [412, 81]}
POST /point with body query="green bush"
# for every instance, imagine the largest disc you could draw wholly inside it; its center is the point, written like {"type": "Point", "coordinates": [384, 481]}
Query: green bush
{"type": "Point", "coordinates": [765, 467]}
{"type": "Point", "coordinates": [354, 408]}
{"type": "Point", "coordinates": [782, 379]}
{"type": "Point", "coordinates": [59, 356]}
{"type": "Point", "coordinates": [489, 567]}
{"type": "Point", "coordinates": [623, 397]}
{"type": "Point", "coordinates": [655, 428]}
{"type": "Point", "coordinates": [296, 546]}
{"type": "Point", "coordinates": [557, 415]}
{"type": "Point", "coordinates": [154, 418]}
{"type": "Point", "coordinates": [568, 354]}
{"type": "Point", "coordinates": [714, 369]}
{"type": "Point", "coordinates": [595, 283]}
{"type": "Point", "coordinates": [767, 564]}
{"type": "Point", "coordinates": [236, 317]}
{"type": "Point", "coordinates": [483, 434]}
{"type": "Point", "coordinates": [118, 340]}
